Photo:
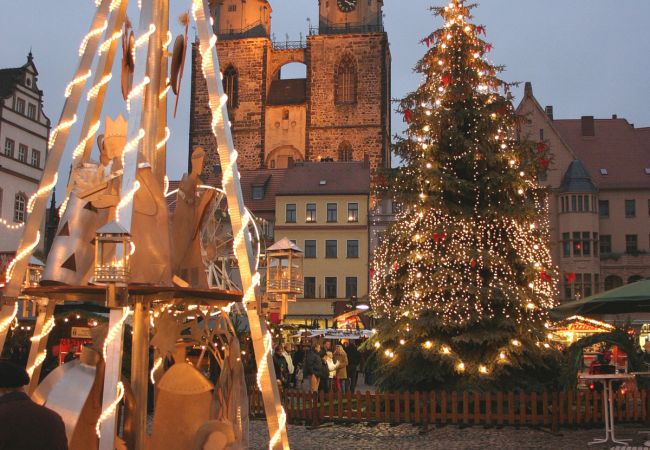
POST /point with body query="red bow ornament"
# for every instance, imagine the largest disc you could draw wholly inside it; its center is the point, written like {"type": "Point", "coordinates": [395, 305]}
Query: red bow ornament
{"type": "Point", "coordinates": [480, 30]}
{"type": "Point", "coordinates": [438, 236]}
{"type": "Point", "coordinates": [545, 277]}
{"type": "Point", "coordinates": [372, 273]}
{"type": "Point", "coordinates": [488, 47]}
{"type": "Point", "coordinates": [446, 79]}
{"type": "Point", "coordinates": [544, 163]}
{"type": "Point", "coordinates": [541, 146]}
{"type": "Point", "coordinates": [570, 277]}
{"type": "Point", "coordinates": [408, 115]}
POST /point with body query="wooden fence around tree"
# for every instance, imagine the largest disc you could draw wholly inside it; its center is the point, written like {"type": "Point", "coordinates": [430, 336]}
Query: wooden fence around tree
{"type": "Point", "coordinates": [550, 410]}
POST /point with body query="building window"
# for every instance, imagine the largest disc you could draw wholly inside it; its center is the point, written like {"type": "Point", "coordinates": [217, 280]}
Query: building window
{"type": "Point", "coordinates": [596, 283]}
{"type": "Point", "coordinates": [309, 287]}
{"type": "Point", "coordinates": [345, 151]}
{"type": "Point", "coordinates": [631, 243]}
{"type": "Point", "coordinates": [28, 81]}
{"type": "Point", "coordinates": [580, 205]}
{"type": "Point", "coordinates": [612, 282]}
{"type": "Point", "coordinates": [20, 106]}
{"type": "Point", "coordinates": [630, 208]}
{"type": "Point", "coordinates": [649, 207]}
{"type": "Point", "coordinates": [9, 147]}
{"type": "Point", "coordinates": [291, 213]}
{"type": "Point", "coordinates": [31, 111]}
{"type": "Point", "coordinates": [310, 249]}
{"type": "Point", "coordinates": [331, 249]}
{"type": "Point", "coordinates": [566, 245]}
{"type": "Point", "coordinates": [586, 243]}
{"type": "Point", "coordinates": [574, 203]}
{"type": "Point", "coordinates": [350, 287]}
{"type": "Point", "coordinates": [603, 208]}
{"type": "Point", "coordinates": [345, 84]}
{"type": "Point", "coordinates": [577, 286]}
{"type": "Point", "coordinates": [331, 212]}
{"type": "Point", "coordinates": [232, 8]}
{"type": "Point", "coordinates": [353, 249]}
{"type": "Point", "coordinates": [20, 202]}
{"type": "Point", "coordinates": [36, 158]}
{"type": "Point", "coordinates": [231, 85]}
{"type": "Point", "coordinates": [587, 203]}
{"type": "Point", "coordinates": [268, 229]}
{"type": "Point", "coordinates": [577, 244]}
{"type": "Point", "coordinates": [605, 244]}
{"type": "Point", "coordinates": [595, 244]}
{"type": "Point", "coordinates": [258, 192]}
{"type": "Point", "coordinates": [353, 212]}
{"type": "Point", "coordinates": [22, 153]}
{"type": "Point", "coordinates": [330, 287]}
{"type": "Point", "coordinates": [311, 212]}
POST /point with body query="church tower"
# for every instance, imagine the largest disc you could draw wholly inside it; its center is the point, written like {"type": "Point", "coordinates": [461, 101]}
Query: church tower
{"type": "Point", "coordinates": [340, 110]}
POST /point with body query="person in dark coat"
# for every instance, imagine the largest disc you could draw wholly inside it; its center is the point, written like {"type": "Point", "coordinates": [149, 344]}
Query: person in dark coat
{"type": "Point", "coordinates": [313, 367]}
{"type": "Point", "coordinates": [280, 363]}
{"type": "Point", "coordinates": [354, 360]}
{"type": "Point", "coordinates": [25, 425]}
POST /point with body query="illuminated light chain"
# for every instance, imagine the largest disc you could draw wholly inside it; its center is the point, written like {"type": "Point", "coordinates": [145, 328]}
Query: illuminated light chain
{"type": "Point", "coordinates": [6, 323]}
{"type": "Point", "coordinates": [114, 5]}
{"type": "Point", "coordinates": [112, 333]}
{"type": "Point", "coordinates": [137, 90]}
{"type": "Point", "coordinates": [94, 91]}
{"type": "Point", "coordinates": [42, 191]}
{"type": "Point", "coordinates": [228, 173]}
{"type": "Point", "coordinates": [165, 91]}
{"type": "Point", "coordinates": [104, 46]}
{"type": "Point", "coordinates": [80, 79]}
{"type": "Point", "coordinates": [90, 35]}
{"type": "Point", "coordinates": [268, 342]}
{"type": "Point", "coordinates": [211, 44]}
{"type": "Point", "coordinates": [63, 206]}
{"type": "Point", "coordinates": [11, 226]}
{"type": "Point", "coordinates": [128, 197]}
{"type": "Point", "coordinates": [165, 186]}
{"type": "Point", "coordinates": [110, 409]}
{"type": "Point", "coordinates": [156, 365]}
{"type": "Point", "coordinates": [79, 149]}
{"type": "Point", "coordinates": [282, 421]}
{"type": "Point", "coordinates": [142, 39]}
{"type": "Point", "coordinates": [37, 362]}
{"type": "Point", "coordinates": [168, 39]}
{"type": "Point", "coordinates": [132, 144]}
{"type": "Point", "coordinates": [239, 239]}
{"type": "Point", "coordinates": [594, 322]}
{"type": "Point", "coordinates": [21, 255]}
{"type": "Point", "coordinates": [164, 140]}
{"type": "Point", "coordinates": [228, 308]}
{"type": "Point", "coordinates": [60, 127]}
{"type": "Point", "coordinates": [250, 292]}
{"type": "Point", "coordinates": [47, 328]}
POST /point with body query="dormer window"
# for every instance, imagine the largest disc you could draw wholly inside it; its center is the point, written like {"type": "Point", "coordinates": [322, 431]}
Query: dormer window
{"type": "Point", "coordinates": [258, 192]}
{"type": "Point", "coordinates": [28, 81]}
{"type": "Point", "coordinates": [604, 172]}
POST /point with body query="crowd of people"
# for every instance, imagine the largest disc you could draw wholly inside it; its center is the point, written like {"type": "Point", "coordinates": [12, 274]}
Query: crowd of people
{"type": "Point", "coordinates": [318, 367]}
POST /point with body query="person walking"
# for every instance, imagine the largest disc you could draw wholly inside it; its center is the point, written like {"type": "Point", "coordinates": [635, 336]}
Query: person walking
{"type": "Point", "coordinates": [313, 367]}
{"type": "Point", "coordinates": [24, 424]}
{"type": "Point", "coordinates": [280, 364]}
{"type": "Point", "coordinates": [341, 359]}
{"type": "Point", "coordinates": [354, 360]}
{"type": "Point", "coordinates": [286, 353]}
{"type": "Point", "coordinates": [328, 359]}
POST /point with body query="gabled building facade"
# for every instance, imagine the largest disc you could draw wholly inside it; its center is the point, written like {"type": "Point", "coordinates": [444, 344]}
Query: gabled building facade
{"type": "Point", "coordinates": [599, 208]}
{"type": "Point", "coordinates": [24, 132]}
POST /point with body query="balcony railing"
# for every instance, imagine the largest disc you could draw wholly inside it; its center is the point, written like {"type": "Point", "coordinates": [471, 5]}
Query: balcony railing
{"type": "Point", "coordinates": [289, 45]}
{"type": "Point", "coordinates": [346, 28]}
{"type": "Point", "coordinates": [294, 286]}
{"type": "Point", "coordinates": [256, 30]}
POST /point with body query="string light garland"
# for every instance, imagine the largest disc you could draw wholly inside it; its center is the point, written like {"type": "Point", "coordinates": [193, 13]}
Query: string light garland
{"type": "Point", "coordinates": [6, 322]}
{"type": "Point", "coordinates": [37, 362]}
{"type": "Point", "coordinates": [164, 140]}
{"type": "Point", "coordinates": [63, 206]}
{"type": "Point", "coordinates": [156, 365]}
{"type": "Point", "coordinates": [78, 80]}
{"type": "Point", "coordinates": [126, 199]}
{"type": "Point", "coordinates": [20, 256]}
{"type": "Point", "coordinates": [92, 33]}
{"type": "Point", "coordinates": [104, 46]}
{"type": "Point", "coordinates": [110, 409]}
{"type": "Point", "coordinates": [94, 91]}
{"type": "Point", "coordinates": [11, 226]}
{"type": "Point", "coordinates": [62, 126]}
{"type": "Point", "coordinates": [114, 331]}
{"type": "Point", "coordinates": [47, 328]}
{"type": "Point", "coordinates": [79, 149]}
{"type": "Point", "coordinates": [136, 91]}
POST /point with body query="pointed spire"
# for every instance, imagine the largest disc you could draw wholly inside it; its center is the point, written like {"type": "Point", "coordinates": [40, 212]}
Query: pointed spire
{"type": "Point", "coordinates": [30, 57]}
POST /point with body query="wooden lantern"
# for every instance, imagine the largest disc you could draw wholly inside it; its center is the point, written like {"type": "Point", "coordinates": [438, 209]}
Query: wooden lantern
{"type": "Point", "coordinates": [112, 251]}
{"type": "Point", "coordinates": [284, 273]}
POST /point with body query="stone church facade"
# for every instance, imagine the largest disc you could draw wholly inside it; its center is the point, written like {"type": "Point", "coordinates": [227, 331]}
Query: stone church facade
{"type": "Point", "coordinates": [339, 111]}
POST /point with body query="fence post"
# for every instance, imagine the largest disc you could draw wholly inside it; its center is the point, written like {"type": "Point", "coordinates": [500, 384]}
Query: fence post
{"type": "Point", "coordinates": [554, 419]}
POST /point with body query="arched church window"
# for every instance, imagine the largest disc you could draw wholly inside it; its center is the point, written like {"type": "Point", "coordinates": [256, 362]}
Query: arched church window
{"type": "Point", "coordinates": [345, 151]}
{"type": "Point", "coordinates": [345, 84]}
{"type": "Point", "coordinates": [231, 86]}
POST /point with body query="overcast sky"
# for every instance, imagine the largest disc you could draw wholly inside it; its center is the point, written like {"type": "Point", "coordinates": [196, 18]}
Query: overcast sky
{"type": "Point", "coordinates": [584, 57]}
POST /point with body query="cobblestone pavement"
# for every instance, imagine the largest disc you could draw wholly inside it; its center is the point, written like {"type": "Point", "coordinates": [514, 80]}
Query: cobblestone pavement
{"type": "Point", "coordinates": [407, 437]}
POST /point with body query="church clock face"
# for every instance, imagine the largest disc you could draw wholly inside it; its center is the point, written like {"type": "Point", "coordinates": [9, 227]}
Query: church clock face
{"type": "Point", "coordinates": [346, 5]}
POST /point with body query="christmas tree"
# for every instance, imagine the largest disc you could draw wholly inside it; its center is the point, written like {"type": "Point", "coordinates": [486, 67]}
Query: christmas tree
{"type": "Point", "coordinates": [462, 282]}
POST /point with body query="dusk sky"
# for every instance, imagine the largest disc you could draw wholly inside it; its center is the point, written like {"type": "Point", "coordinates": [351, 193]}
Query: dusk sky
{"type": "Point", "coordinates": [584, 57]}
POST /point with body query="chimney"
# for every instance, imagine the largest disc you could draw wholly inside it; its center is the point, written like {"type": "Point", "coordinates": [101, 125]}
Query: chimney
{"type": "Point", "coordinates": [549, 111]}
{"type": "Point", "coordinates": [588, 126]}
{"type": "Point", "coordinates": [528, 88]}
{"type": "Point", "coordinates": [614, 116]}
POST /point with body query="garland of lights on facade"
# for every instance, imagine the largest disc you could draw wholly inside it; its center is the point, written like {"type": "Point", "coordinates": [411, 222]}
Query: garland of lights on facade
{"type": "Point", "coordinates": [471, 242]}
